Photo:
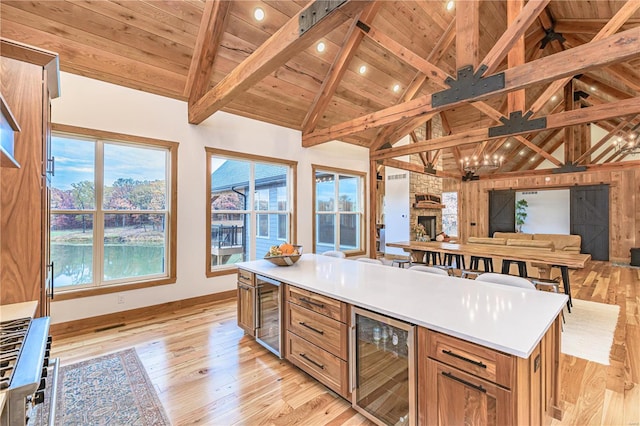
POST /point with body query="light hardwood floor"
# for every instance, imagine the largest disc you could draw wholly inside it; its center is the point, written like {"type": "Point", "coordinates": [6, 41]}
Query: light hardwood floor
{"type": "Point", "coordinates": [207, 372]}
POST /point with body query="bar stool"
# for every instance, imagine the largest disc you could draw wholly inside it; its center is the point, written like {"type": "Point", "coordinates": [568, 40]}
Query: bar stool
{"type": "Point", "coordinates": [487, 261]}
{"type": "Point", "coordinates": [459, 259]}
{"type": "Point", "coordinates": [401, 262]}
{"type": "Point", "coordinates": [436, 258]}
{"type": "Point", "coordinates": [522, 267]}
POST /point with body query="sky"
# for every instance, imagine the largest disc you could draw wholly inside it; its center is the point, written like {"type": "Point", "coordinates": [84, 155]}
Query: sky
{"type": "Point", "coordinates": [75, 162]}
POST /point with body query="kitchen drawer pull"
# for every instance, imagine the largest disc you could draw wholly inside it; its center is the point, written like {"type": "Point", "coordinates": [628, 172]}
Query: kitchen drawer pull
{"type": "Point", "coordinates": [455, 355]}
{"type": "Point", "coordinates": [464, 382]}
{"type": "Point", "coordinates": [312, 361]}
{"type": "Point", "coordinates": [311, 328]}
{"type": "Point", "coordinates": [245, 278]}
{"type": "Point", "coordinates": [311, 302]}
{"type": "Point", "coordinates": [244, 287]}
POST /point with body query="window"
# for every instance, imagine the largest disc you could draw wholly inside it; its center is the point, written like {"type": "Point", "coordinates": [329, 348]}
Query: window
{"type": "Point", "coordinates": [249, 207]}
{"type": "Point", "coordinates": [112, 210]}
{"type": "Point", "coordinates": [338, 210]}
{"type": "Point", "coordinates": [450, 213]}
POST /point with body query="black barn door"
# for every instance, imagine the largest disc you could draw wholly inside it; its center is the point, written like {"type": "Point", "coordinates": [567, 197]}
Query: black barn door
{"type": "Point", "coordinates": [502, 211]}
{"type": "Point", "coordinates": [590, 219]}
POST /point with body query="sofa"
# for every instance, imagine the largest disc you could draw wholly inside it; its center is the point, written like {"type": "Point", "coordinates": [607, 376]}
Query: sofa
{"type": "Point", "coordinates": [555, 242]}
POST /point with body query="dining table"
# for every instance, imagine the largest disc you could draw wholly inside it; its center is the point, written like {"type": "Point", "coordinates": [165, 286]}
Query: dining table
{"type": "Point", "coordinates": [562, 260]}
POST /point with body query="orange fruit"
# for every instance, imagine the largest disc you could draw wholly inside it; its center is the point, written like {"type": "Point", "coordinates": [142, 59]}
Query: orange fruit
{"type": "Point", "coordinates": [286, 248]}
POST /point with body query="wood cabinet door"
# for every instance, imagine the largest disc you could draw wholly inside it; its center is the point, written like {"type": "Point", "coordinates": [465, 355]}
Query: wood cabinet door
{"type": "Point", "coordinates": [246, 308]}
{"type": "Point", "coordinates": [453, 397]}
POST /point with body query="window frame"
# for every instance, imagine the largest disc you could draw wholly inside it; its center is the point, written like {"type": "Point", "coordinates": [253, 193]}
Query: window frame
{"type": "Point", "coordinates": [253, 212]}
{"type": "Point", "coordinates": [336, 213]}
{"type": "Point", "coordinates": [171, 245]}
{"type": "Point", "coordinates": [457, 213]}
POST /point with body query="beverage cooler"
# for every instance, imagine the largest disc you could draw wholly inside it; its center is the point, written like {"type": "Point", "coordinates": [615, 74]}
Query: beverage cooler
{"type": "Point", "coordinates": [269, 314]}
{"type": "Point", "coordinates": [383, 367]}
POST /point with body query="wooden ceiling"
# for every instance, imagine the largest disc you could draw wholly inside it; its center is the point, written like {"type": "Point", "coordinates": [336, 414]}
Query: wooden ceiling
{"type": "Point", "coordinates": [216, 56]}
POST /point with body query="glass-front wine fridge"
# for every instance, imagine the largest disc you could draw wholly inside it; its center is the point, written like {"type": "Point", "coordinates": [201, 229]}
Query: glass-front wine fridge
{"type": "Point", "coordinates": [383, 364]}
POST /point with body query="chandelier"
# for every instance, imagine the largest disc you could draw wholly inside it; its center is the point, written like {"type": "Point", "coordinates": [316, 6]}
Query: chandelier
{"type": "Point", "coordinates": [473, 164]}
{"type": "Point", "coordinates": [628, 144]}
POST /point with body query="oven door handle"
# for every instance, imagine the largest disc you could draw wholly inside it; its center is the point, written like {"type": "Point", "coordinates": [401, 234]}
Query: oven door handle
{"type": "Point", "coordinates": [54, 394]}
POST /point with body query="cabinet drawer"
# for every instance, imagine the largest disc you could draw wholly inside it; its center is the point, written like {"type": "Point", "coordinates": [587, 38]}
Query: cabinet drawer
{"type": "Point", "coordinates": [321, 304]}
{"type": "Point", "coordinates": [246, 277]}
{"type": "Point", "coordinates": [483, 362]}
{"type": "Point", "coordinates": [328, 369]}
{"type": "Point", "coordinates": [325, 332]}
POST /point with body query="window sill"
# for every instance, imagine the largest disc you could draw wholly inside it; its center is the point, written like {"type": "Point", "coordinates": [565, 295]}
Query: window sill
{"type": "Point", "coordinates": [88, 292]}
{"type": "Point", "coordinates": [231, 270]}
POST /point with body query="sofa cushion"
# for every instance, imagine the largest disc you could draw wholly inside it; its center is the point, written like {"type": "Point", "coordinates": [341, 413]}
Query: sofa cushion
{"type": "Point", "coordinates": [561, 242]}
{"type": "Point", "coordinates": [487, 240]}
{"type": "Point", "coordinates": [513, 235]}
{"type": "Point", "coordinates": [532, 244]}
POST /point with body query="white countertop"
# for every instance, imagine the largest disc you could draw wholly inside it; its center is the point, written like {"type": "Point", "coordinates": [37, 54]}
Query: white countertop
{"type": "Point", "coordinates": [500, 317]}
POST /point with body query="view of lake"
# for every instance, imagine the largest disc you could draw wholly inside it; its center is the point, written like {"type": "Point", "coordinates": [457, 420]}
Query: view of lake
{"type": "Point", "coordinates": [74, 263]}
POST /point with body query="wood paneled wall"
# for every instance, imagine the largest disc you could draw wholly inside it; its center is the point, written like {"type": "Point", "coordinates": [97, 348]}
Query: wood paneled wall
{"type": "Point", "coordinates": [624, 214]}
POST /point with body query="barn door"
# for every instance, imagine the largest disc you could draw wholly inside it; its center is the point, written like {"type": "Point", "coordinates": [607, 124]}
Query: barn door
{"type": "Point", "coordinates": [502, 211]}
{"type": "Point", "coordinates": [590, 219]}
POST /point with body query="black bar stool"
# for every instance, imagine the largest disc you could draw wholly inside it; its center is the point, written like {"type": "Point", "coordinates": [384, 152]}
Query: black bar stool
{"type": "Point", "coordinates": [487, 261]}
{"type": "Point", "coordinates": [522, 267]}
{"type": "Point", "coordinates": [434, 257]}
{"type": "Point", "coordinates": [459, 259]}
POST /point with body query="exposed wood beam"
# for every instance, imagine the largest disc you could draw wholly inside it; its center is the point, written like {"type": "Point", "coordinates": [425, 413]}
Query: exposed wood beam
{"type": "Point", "coordinates": [590, 167]}
{"type": "Point", "coordinates": [617, 48]}
{"type": "Point", "coordinates": [614, 24]}
{"type": "Point", "coordinates": [520, 19]}
{"type": "Point", "coordinates": [438, 51]}
{"type": "Point", "coordinates": [422, 155]}
{"type": "Point", "coordinates": [338, 68]}
{"type": "Point", "coordinates": [515, 57]}
{"type": "Point", "coordinates": [458, 159]}
{"type": "Point", "coordinates": [467, 33]}
{"type": "Point", "coordinates": [526, 161]}
{"type": "Point", "coordinates": [560, 120]}
{"type": "Point", "coordinates": [404, 165]}
{"type": "Point", "coordinates": [604, 140]}
{"type": "Point", "coordinates": [625, 75]}
{"type": "Point", "coordinates": [277, 50]}
{"type": "Point", "coordinates": [569, 135]}
{"type": "Point", "coordinates": [587, 26]}
{"type": "Point", "coordinates": [436, 157]}
{"type": "Point", "coordinates": [212, 27]}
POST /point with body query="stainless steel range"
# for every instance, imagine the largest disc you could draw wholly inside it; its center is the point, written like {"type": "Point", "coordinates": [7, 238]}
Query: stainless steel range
{"type": "Point", "coordinates": [24, 363]}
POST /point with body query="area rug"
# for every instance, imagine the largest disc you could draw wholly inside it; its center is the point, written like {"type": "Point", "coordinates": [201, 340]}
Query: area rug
{"type": "Point", "coordinates": [588, 331]}
{"type": "Point", "coordinates": [113, 389]}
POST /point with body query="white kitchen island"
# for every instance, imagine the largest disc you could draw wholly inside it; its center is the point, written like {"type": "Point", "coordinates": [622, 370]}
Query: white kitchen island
{"type": "Point", "coordinates": [519, 329]}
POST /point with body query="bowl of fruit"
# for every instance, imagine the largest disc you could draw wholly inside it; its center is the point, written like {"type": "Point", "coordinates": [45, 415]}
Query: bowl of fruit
{"type": "Point", "coordinates": [284, 255]}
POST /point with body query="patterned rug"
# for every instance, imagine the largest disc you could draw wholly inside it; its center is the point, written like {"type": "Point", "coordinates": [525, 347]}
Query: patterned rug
{"type": "Point", "coordinates": [113, 389]}
{"type": "Point", "coordinates": [588, 331]}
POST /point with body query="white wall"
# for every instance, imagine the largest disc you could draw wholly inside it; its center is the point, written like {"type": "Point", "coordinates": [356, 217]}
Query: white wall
{"type": "Point", "coordinates": [548, 211]}
{"type": "Point", "coordinates": [103, 106]}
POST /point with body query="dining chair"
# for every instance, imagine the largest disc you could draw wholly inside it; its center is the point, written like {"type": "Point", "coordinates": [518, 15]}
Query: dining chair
{"type": "Point", "coordinates": [369, 260]}
{"type": "Point", "coordinates": [512, 280]}
{"type": "Point", "coordinates": [334, 253]}
{"type": "Point", "coordinates": [429, 270]}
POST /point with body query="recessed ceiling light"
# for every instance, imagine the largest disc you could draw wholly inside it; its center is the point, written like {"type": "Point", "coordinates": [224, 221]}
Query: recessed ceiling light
{"type": "Point", "coordinates": [522, 152]}
{"type": "Point", "coordinates": [508, 144]}
{"type": "Point", "coordinates": [362, 69]}
{"type": "Point", "coordinates": [450, 5]}
{"type": "Point", "coordinates": [320, 47]}
{"type": "Point", "coordinates": [396, 88]}
{"type": "Point", "coordinates": [532, 159]}
{"type": "Point", "coordinates": [258, 14]}
{"type": "Point", "coordinates": [593, 89]}
{"type": "Point", "coordinates": [553, 98]}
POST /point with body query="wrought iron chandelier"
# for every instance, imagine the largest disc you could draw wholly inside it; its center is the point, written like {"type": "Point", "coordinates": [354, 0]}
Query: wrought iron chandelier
{"type": "Point", "coordinates": [474, 164]}
{"type": "Point", "coordinates": [628, 144]}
